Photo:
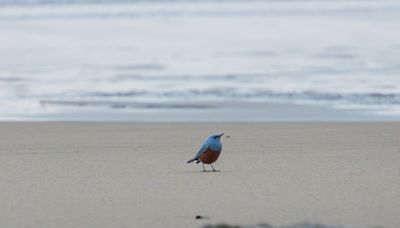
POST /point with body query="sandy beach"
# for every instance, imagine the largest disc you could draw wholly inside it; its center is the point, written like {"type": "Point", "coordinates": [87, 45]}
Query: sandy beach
{"type": "Point", "coordinates": [135, 174]}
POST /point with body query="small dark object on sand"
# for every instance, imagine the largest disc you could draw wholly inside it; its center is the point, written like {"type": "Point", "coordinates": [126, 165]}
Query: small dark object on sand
{"type": "Point", "coordinates": [199, 217]}
{"type": "Point", "coordinates": [228, 136]}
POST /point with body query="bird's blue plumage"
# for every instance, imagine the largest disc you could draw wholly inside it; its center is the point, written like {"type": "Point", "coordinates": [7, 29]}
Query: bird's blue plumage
{"type": "Point", "coordinates": [213, 142]}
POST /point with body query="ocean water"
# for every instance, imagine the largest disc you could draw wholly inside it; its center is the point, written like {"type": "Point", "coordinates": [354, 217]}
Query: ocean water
{"type": "Point", "coordinates": [121, 56]}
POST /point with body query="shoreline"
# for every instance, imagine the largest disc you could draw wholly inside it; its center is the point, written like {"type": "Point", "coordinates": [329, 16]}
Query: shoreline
{"type": "Point", "coordinates": [195, 112]}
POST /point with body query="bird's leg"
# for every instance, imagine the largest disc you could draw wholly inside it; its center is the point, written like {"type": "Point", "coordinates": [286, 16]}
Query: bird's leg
{"type": "Point", "coordinates": [204, 168]}
{"type": "Point", "coordinates": [212, 167]}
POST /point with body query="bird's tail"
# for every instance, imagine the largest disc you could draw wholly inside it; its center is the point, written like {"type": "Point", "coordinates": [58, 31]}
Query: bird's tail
{"type": "Point", "coordinates": [191, 160]}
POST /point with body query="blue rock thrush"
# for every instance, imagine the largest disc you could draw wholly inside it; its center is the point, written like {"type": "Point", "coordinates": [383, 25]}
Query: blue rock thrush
{"type": "Point", "coordinates": [209, 151]}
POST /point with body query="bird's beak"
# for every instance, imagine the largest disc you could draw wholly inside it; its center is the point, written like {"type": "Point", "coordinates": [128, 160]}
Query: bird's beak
{"type": "Point", "coordinates": [221, 135]}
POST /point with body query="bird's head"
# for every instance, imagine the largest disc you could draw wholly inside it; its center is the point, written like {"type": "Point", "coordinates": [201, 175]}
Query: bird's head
{"type": "Point", "coordinates": [216, 137]}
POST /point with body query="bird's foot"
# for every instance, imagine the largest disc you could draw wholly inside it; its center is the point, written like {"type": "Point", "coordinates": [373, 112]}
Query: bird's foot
{"type": "Point", "coordinates": [213, 169]}
{"type": "Point", "coordinates": [216, 170]}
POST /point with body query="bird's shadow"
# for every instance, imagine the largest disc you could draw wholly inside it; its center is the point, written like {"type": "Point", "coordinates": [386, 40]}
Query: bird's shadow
{"type": "Point", "coordinates": [211, 171]}
{"type": "Point", "coordinates": [202, 172]}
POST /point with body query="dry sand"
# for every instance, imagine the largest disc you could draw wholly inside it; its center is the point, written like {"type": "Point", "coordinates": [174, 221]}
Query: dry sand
{"type": "Point", "coordinates": [135, 174]}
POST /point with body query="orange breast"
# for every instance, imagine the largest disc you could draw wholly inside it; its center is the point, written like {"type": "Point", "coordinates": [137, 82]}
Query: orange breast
{"type": "Point", "coordinates": [209, 156]}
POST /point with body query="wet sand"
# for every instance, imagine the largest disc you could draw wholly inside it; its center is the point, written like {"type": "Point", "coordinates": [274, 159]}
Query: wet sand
{"type": "Point", "coordinates": [135, 174]}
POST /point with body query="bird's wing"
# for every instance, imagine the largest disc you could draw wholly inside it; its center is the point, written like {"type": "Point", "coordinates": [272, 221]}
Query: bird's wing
{"type": "Point", "coordinates": [202, 150]}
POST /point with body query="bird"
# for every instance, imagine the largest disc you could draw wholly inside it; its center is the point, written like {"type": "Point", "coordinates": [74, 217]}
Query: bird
{"type": "Point", "coordinates": [209, 151]}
